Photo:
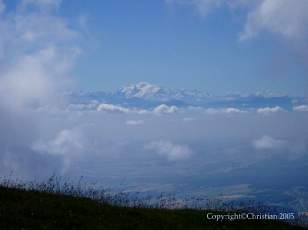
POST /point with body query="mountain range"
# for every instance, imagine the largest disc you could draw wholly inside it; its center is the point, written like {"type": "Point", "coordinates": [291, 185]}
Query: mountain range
{"type": "Point", "coordinates": [146, 95]}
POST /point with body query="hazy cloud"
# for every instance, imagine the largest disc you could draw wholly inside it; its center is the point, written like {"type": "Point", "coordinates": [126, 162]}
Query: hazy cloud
{"type": "Point", "coordinates": [268, 143]}
{"type": "Point", "coordinates": [170, 150]}
{"type": "Point", "coordinates": [66, 142]}
{"type": "Point", "coordinates": [301, 108]}
{"type": "Point", "coordinates": [223, 110]}
{"type": "Point", "coordinates": [134, 122]}
{"type": "Point", "coordinates": [109, 108]}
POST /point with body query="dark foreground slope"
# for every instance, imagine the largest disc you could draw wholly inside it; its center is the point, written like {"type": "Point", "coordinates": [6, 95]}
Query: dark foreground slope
{"type": "Point", "coordinates": [30, 210]}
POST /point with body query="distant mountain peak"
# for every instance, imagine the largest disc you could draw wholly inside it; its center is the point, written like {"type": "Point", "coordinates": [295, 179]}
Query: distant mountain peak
{"type": "Point", "coordinates": [145, 95]}
{"type": "Point", "coordinates": [141, 89]}
{"type": "Point", "coordinates": [146, 90]}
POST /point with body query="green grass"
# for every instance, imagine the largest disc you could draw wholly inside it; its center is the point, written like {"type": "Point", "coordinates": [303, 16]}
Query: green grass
{"type": "Point", "coordinates": [33, 210]}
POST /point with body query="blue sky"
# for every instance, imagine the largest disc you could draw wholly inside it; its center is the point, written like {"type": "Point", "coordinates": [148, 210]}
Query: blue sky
{"type": "Point", "coordinates": [172, 43]}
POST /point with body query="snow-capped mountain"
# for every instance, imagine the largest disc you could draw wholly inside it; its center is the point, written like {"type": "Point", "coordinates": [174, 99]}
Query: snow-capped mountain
{"type": "Point", "coordinates": [145, 95]}
{"type": "Point", "coordinates": [140, 90]}
{"type": "Point", "coordinates": [153, 92]}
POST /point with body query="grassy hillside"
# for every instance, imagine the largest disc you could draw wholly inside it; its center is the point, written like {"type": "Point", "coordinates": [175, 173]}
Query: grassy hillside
{"type": "Point", "coordinates": [27, 210]}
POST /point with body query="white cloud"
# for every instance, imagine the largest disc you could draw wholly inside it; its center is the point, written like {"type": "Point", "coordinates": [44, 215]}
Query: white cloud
{"type": "Point", "coordinates": [301, 108]}
{"type": "Point", "coordinates": [223, 110]}
{"type": "Point", "coordinates": [105, 107]}
{"type": "Point", "coordinates": [269, 110]}
{"type": "Point", "coordinates": [66, 142]}
{"type": "Point", "coordinates": [134, 122]}
{"type": "Point", "coordinates": [37, 51]}
{"type": "Point", "coordinates": [32, 80]}
{"type": "Point", "coordinates": [268, 143]}
{"type": "Point", "coordinates": [38, 48]}
{"type": "Point", "coordinates": [288, 18]}
{"type": "Point", "coordinates": [165, 109]}
{"type": "Point", "coordinates": [170, 150]}
{"type": "Point", "coordinates": [232, 110]}
{"type": "Point", "coordinates": [110, 108]}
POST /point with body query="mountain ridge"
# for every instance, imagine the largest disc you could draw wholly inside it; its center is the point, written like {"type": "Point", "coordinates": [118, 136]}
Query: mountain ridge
{"type": "Point", "coordinates": [146, 95]}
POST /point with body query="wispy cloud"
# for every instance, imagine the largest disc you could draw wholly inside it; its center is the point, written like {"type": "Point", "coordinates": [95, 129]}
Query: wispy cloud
{"type": "Point", "coordinates": [202, 6]}
{"type": "Point", "coordinates": [287, 18]}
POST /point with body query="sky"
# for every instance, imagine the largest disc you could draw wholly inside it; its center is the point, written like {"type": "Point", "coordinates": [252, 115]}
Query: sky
{"type": "Point", "coordinates": [220, 46]}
